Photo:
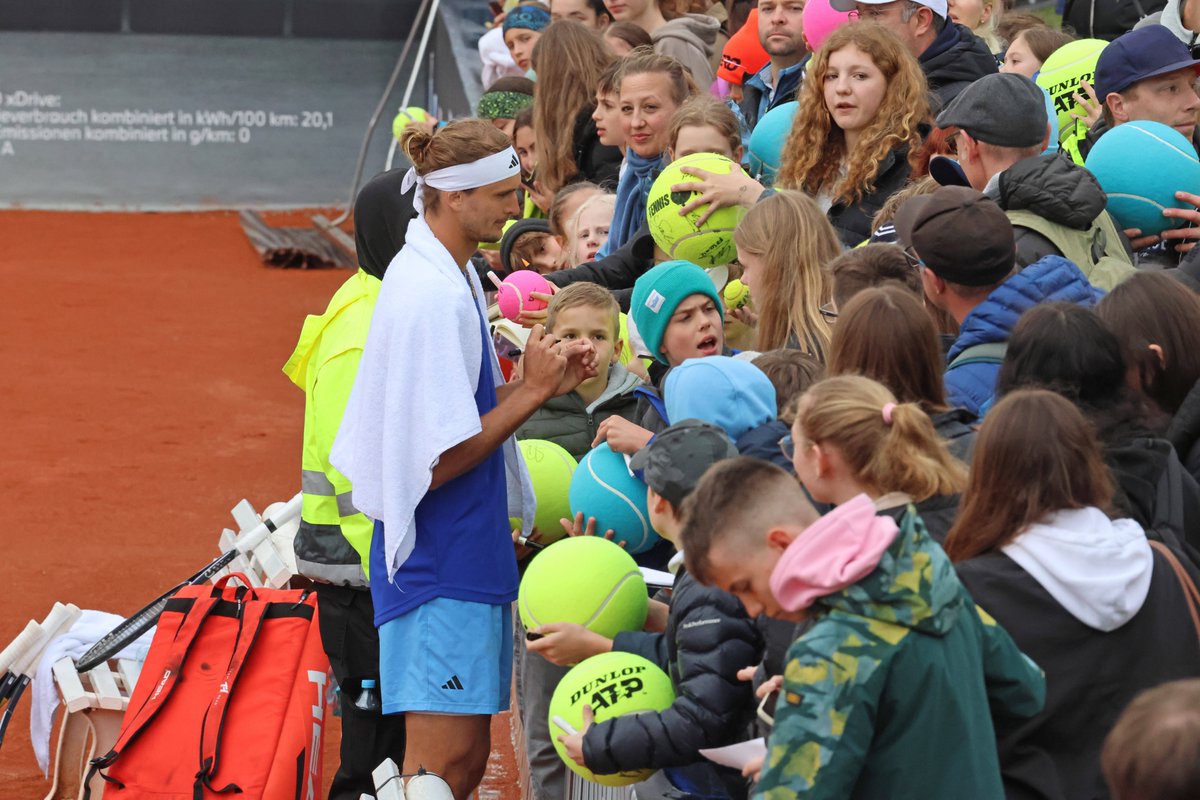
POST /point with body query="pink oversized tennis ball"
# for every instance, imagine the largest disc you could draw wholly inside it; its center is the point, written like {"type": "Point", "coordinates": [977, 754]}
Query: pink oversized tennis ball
{"type": "Point", "coordinates": [514, 294]}
{"type": "Point", "coordinates": [820, 20]}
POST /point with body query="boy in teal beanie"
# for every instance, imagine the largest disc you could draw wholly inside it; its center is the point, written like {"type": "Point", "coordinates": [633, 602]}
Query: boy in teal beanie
{"type": "Point", "coordinates": [678, 314]}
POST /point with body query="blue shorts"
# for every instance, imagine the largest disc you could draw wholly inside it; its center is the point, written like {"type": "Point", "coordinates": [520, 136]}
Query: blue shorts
{"type": "Point", "coordinates": [448, 657]}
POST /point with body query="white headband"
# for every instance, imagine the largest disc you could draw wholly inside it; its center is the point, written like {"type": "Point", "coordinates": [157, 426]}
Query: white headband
{"type": "Point", "coordinates": [484, 172]}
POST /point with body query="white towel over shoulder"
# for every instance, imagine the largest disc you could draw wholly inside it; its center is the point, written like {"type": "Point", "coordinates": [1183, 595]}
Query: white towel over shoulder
{"type": "Point", "coordinates": [414, 395]}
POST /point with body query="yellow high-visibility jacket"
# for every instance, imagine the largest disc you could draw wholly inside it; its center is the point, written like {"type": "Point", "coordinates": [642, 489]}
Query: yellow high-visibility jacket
{"type": "Point", "coordinates": [334, 541]}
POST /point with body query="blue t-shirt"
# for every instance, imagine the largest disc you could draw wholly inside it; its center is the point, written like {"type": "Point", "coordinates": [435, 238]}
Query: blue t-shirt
{"type": "Point", "coordinates": [463, 547]}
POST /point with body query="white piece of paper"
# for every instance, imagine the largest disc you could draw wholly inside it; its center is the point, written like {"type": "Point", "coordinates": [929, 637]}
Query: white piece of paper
{"type": "Point", "coordinates": [657, 578]}
{"type": "Point", "coordinates": [737, 756]}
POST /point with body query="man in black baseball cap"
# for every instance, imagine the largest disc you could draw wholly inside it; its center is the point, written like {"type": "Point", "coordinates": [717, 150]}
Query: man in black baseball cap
{"type": "Point", "coordinates": [963, 244]}
{"type": "Point", "coordinates": [1054, 206]}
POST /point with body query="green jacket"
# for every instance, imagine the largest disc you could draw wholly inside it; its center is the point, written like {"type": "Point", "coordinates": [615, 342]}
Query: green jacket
{"type": "Point", "coordinates": [893, 690]}
{"type": "Point", "coordinates": [567, 422]}
{"type": "Point", "coordinates": [333, 544]}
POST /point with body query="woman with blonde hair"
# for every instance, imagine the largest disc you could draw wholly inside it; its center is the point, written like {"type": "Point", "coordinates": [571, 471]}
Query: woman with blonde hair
{"type": "Point", "coordinates": [783, 244]}
{"type": "Point", "coordinates": [859, 120]}
{"type": "Point", "coordinates": [573, 58]}
{"type": "Point", "coordinates": [852, 437]}
{"type": "Point", "coordinates": [651, 88]}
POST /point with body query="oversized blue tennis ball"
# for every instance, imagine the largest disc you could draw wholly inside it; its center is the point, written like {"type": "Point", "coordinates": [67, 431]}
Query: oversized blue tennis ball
{"type": "Point", "coordinates": [614, 684]}
{"type": "Point", "coordinates": [550, 470]}
{"type": "Point", "coordinates": [710, 244]}
{"type": "Point", "coordinates": [603, 488]}
{"type": "Point", "coordinates": [1140, 165]}
{"type": "Point", "coordinates": [768, 139]}
{"type": "Point", "coordinates": [586, 580]}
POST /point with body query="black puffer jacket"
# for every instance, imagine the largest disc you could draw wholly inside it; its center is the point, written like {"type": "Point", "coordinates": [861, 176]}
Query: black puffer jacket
{"type": "Point", "coordinates": [1055, 188]}
{"type": "Point", "coordinates": [956, 59]}
{"type": "Point", "coordinates": [617, 271]}
{"type": "Point", "coordinates": [1184, 432]}
{"type": "Point", "coordinates": [598, 163]}
{"type": "Point", "coordinates": [708, 639]}
{"type": "Point", "coordinates": [853, 222]}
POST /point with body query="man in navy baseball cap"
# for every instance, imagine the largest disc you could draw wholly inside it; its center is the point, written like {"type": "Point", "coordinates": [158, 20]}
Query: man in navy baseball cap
{"type": "Point", "coordinates": [1148, 74]}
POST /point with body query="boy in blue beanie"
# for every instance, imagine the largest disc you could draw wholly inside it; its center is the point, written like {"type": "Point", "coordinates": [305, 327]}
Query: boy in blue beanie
{"type": "Point", "coordinates": [734, 395]}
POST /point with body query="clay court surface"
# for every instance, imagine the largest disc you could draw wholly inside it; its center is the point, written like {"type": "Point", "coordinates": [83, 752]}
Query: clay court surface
{"type": "Point", "coordinates": [142, 398]}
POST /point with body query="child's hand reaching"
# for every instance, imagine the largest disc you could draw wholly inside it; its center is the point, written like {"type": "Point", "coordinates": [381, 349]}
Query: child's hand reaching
{"type": "Point", "coordinates": [771, 684]}
{"type": "Point", "coordinates": [622, 435]}
{"type": "Point", "coordinates": [566, 644]}
{"type": "Point", "coordinates": [573, 742]}
{"type": "Point", "coordinates": [576, 527]}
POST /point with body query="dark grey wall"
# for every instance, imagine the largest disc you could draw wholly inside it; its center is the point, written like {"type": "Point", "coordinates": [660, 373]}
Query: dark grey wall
{"type": "Point", "coordinates": [158, 121]}
{"type": "Point", "coordinates": [326, 19]}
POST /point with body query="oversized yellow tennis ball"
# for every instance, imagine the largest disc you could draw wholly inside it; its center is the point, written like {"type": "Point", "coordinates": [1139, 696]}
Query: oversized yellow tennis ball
{"type": "Point", "coordinates": [736, 294]}
{"type": "Point", "coordinates": [1060, 76]}
{"type": "Point", "coordinates": [709, 245]}
{"type": "Point", "coordinates": [406, 116]}
{"type": "Point", "coordinates": [550, 470]}
{"type": "Point", "coordinates": [587, 580]}
{"type": "Point", "coordinates": [614, 684]}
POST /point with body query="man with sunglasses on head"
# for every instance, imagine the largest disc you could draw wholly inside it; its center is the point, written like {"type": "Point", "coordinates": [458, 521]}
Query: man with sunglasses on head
{"type": "Point", "coordinates": [1055, 207]}
{"type": "Point", "coordinates": [950, 55]}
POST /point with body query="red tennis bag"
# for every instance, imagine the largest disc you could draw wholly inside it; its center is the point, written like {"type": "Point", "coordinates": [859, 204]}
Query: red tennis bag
{"type": "Point", "coordinates": [231, 699]}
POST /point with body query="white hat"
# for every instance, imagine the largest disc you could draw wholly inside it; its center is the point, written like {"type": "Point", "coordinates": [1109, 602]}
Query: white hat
{"type": "Point", "coordinates": [938, 7]}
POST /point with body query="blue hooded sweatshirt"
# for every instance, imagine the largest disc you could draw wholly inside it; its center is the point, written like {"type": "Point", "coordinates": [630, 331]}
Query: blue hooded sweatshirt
{"type": "Point", "coordinates": [1051, 279]}
{"type": "Point", "coordinates": [727, 392]}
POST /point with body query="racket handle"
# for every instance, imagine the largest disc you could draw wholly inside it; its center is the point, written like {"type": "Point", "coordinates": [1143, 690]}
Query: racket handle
{"type": "Point", "coordinates": [259, 533]}
{"type": "Point", "coordinates": [58, 621]}
{"type": "Point", "coordinates": [19, 645]}
{"type": "Point", "coordinates": [28, 659]}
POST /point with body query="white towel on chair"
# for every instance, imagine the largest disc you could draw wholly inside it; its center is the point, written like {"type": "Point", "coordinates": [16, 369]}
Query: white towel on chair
{"type": "Point", "coordinates": [87, 630]}
{"type": "Point", "coordinates": [414, 395]}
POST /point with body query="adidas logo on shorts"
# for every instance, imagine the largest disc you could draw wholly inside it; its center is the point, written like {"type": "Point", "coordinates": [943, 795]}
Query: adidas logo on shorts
{"type": "Point", "coordinates": [453, 683]}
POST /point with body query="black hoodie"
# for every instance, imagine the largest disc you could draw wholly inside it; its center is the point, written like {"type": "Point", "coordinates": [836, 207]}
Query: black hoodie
{"type": "Point", "coordinates": [381, 216]}
{"type": "Point", "coordinates": [956, 59]}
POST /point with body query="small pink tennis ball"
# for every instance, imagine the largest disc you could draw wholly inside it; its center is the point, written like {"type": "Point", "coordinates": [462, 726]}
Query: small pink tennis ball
{"type": "Point", "coordinates": [820, 20]}
{"type": "Point", "coordinates": [514, 294]}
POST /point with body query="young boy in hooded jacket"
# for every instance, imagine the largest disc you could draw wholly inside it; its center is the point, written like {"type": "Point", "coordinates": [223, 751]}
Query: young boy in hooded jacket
{"type": "Point", "coordinates": [708, 637]}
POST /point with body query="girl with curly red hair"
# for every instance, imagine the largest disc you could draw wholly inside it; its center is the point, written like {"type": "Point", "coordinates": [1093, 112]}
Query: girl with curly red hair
{"type": "Point", "coordinates": [862, 107]}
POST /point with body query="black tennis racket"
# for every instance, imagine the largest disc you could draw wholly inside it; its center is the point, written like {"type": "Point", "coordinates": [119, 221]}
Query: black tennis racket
{"type": "Point", "coordinates": [128, 631]}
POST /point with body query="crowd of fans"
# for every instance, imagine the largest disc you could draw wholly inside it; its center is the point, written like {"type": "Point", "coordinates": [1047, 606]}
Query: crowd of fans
{"type": "Point", "coordinates": [933, 494]}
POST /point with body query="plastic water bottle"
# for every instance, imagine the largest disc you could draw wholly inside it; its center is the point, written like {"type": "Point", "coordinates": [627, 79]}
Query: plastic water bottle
{"type": "Point", "coordinates": [368, 697]}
